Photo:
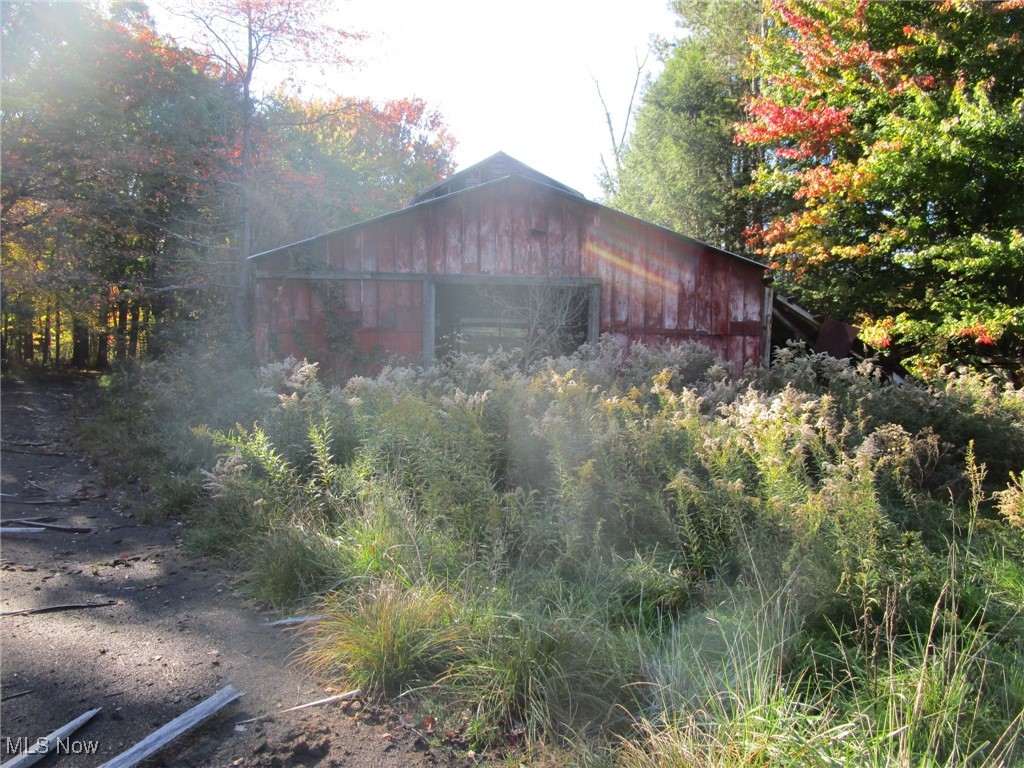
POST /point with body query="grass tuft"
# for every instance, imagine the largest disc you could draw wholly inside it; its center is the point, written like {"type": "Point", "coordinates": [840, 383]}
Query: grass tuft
{"type": "Point", "coordinates": [387, 637]}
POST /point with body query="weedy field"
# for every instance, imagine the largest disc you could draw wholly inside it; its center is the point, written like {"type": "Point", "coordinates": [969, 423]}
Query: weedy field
{"type": "Point", "coordinates": [637, 562]}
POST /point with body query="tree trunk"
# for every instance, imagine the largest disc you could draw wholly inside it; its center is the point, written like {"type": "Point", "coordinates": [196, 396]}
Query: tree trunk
{"type": "Point", "coordinates": [28, 345]}
{"type": "Point", "coordinates": [80, 337]}
{"type": "Point", "coordinates": [4, 331]}
{"type": "Point", "coordinates": [102, 359]}
{"type": "Point", "coordinates": [121, 336]}
{"type": "Point", "coordinates": [133, 332]}
{"type": "Point", "coordinates": [56, 342]}
{"type": "Point", "coordinates": [45, 342]}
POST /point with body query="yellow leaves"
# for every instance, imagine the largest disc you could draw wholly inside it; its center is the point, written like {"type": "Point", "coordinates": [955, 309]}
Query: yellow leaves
{"type": "Point", "coordinates": [876, 332]}
{"type": "Point", "coordinates": [844, 180]}
{"type": "Point", "coordinates": [851, 252]}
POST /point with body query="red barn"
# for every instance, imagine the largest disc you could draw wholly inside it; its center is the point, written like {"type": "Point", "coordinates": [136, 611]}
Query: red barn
{"type": "Point", "coordinates": [489, 256]}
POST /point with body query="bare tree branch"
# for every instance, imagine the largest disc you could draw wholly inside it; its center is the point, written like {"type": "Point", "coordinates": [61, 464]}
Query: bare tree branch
{"type": "Point", "coordinates": [618, 142]}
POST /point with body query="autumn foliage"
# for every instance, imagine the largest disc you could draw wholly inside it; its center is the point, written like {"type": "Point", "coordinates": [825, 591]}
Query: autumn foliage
{"type": "Point", "coordinates": [139, 172]}
{"type": "Point", "coordinates": [894, 171]}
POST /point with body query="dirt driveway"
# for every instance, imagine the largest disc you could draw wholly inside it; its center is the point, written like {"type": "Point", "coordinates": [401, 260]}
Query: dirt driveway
{"type": "Point", "coordinates": [170, 630]}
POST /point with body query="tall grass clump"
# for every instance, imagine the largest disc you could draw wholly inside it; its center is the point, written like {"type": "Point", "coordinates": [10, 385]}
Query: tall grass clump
{"type": "Point", "coordinates": [743, 684]}
{"type": "Point", "coordinates": [546, 667]}
{"type": "Point", "coordinates": [754, 680]}
{"type": "Point", "coordinates": [806, 565]}
{"type": "Point", "coordinates": [387, 636]}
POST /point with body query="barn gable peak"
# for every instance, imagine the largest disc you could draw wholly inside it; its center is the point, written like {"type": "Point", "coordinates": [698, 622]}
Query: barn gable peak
{"type": "Point", "coordinates": [497, 166]}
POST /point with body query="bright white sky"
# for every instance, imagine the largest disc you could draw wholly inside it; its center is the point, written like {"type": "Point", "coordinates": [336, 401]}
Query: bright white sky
{"type": "Point", "coordinates": [515, 76]}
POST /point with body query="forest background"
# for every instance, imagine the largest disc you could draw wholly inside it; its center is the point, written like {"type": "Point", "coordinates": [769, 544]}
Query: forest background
{"type": "Point", "coordinates": [139, 174]}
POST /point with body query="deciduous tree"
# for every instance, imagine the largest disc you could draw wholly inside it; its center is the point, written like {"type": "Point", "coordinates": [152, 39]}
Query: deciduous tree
{"type": "Point", "coordinates": [110, 134]}
{"type": "Point", "coordinates": [337, 161]}
{"type": "Point", "coordinates": [894, 178]}
{"type": "Point", "coordinates": [244, 36]}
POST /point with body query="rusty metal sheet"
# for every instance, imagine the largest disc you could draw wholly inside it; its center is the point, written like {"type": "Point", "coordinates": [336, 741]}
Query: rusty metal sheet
{"type": "Point", "coordinates": [420, 241]}
{"type": "Point", "coordinates": [436, 257]}
{"type": "Point", "coordinates": [470, 236]}
{"type": "Point", "coordinates": [835, 338]}
{"type": "Point", "coordinates": [452, 246]}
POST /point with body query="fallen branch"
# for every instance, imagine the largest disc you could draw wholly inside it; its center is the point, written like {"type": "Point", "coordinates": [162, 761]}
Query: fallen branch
{"type": "Point", "coordinates": [295, 620]}
{"type": "Point", "coordinates": [41, 518]}
{"type": "Point", "coordinates": [40, 502]}
{"type": "Point", "coordinates": [172, 730]}
{"type": "Point", "coordinates": [36, 523]}
{"type": "Point", "coordinates": [42, 747]}
{"type": "Point", "coordinates": [4, 531]}
{"type": "Point", "coordinates": [358, 693]}
{"type": "Point", "coordinates": [54, 608]}
{"type": "Point", "coordinates": [34, 453]}
{"type": "Point", "coordinates": [16, 695]}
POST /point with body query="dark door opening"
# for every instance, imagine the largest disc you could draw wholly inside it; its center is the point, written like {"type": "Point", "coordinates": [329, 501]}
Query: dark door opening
{"type": "Point", "coordinates": [540, 319]}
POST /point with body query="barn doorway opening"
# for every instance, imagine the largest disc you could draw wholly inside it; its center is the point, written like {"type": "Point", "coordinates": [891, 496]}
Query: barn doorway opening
{"type": "Point", "coordinates": [536, 318]}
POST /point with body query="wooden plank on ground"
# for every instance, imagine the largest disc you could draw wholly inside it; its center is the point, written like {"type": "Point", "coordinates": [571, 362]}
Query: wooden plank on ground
{"type": "Point", "coordinates": [43, 747]}
{"type": "Point", "coordinates": [34, 523]}
{"type": "Point", "coordinates": [172, 730]}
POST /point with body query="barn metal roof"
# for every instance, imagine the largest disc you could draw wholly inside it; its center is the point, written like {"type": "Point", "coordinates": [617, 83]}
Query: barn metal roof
{"type": "Point", "coordinates": [483, 174]}
{"type": "Point", "coordinates": [497, 166]}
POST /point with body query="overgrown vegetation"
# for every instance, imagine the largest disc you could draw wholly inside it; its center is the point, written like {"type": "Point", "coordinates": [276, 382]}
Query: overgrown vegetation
{"type": "Point", "coordinates": [644, 558]}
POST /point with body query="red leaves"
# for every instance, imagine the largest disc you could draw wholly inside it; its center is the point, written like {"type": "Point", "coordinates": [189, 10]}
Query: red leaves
{"type": "Point", "coordinates": [979, 333]}
{"type": "Point", "coordinates": [813, 74]}
{"type": "Point", "coordinates": [835, 40]}
{"type": "Point", "coordinates": [812, 129]}
{"type": "Point", "coordinates": [243, 33]}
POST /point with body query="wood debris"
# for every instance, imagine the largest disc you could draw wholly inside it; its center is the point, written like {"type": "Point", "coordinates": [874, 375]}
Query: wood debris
{"type": "Point", "coordinates": [172, 730]}
{"type": "Point", "coordinates": [10, 696]}
{"type": "Point", "coordinates": [55, 608]}
{"type": "Point", "coordinates": [38, 523]}
{"type": "Point", "coordinates": [358, 693]}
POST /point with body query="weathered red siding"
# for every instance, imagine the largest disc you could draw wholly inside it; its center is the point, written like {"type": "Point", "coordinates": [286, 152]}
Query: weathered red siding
{"type": "Point", "coordinates": [360, 292]}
